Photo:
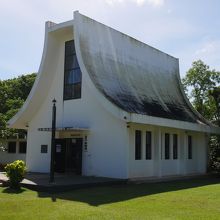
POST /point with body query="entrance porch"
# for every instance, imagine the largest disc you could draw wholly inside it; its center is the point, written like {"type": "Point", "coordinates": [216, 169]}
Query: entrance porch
{"type": "Point", "coordinates": [70, 144]}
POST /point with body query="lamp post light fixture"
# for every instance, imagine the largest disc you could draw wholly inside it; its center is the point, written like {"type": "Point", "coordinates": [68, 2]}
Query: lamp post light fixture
{"type": "Point", "coordinates": [53, 141]}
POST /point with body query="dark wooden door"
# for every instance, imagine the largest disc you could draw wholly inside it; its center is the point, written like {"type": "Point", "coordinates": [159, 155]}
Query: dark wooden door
{"type": "Point", "coordinates": [60, 155]}
{"type": "Point", "coordinates": [74, 155]}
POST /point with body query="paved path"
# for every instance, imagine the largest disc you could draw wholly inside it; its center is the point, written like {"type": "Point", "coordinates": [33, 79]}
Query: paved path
{"type": "Point", "coordinates": [40, 181]}
{"type": "Point", "coordinates": [68, 181]}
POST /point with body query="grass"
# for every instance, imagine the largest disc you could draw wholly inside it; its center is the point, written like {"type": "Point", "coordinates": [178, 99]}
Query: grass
{"type": "Point", "coordinates": [185, 199]}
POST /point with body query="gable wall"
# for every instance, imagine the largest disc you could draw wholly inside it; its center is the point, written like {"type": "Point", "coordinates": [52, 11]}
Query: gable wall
{"type": "Point", "coordinates": [107, 139]}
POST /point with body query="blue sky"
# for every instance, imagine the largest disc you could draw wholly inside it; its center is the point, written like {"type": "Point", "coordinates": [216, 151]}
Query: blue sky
{"type": "Point", "coordinates": [188, 30]}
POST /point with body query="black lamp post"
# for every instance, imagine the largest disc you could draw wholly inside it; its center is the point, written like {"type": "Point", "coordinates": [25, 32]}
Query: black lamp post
{"type": "Point", "coordinates": [53, 141]}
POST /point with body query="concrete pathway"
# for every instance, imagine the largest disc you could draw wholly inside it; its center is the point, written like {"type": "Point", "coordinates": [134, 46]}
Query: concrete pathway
{"type": "Point", "coordinates": [63, 182]}
{"type": "Point", "coordinates": [69, 181]}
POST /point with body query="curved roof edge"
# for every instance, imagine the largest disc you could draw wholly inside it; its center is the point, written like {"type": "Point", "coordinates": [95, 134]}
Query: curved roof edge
{"type": "Point", "coordinates": [42, 81]}
{"type": "Point", "coordinates": [14, 120]}
{"type": "Point", "coordinates": [108, 105]}
{"type": "Point", "coordinates": [21, 119]}
{"type": "Point", "coordinates": [130, 74]}
{"type": "Point", "coordinates": [91, 40]}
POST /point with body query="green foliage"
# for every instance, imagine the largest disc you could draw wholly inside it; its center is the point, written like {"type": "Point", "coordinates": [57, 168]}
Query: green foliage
{"type": "Point", "coordinates": [198, 82]}
{"type": "Point", "coordinates": [2, 167]}
{"type": "Point", "coordinates": [214, 162]}
{"type": "Point", "coordinates": [202, 87]}
{"type": "Point", "coordinates": [13, 93]}
{"type": "Point", "coordinates": [15, 172]}
{"type": "Point", "coordinates": [3, 145]}
{"type": "Point", "coordinates": [215, 94]}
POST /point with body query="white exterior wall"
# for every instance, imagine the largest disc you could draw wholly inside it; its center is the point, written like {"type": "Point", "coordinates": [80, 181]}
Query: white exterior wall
{"type": "Point", "coordinates": [108, 153]}
{"type": "Point", "coordinates": [107, 139]}
{"type": "Point", "coordinates": [6, 157]}
{"type": "Point", "coordinates": [158, 166]}
{"type": "Point", "coordinates": [111, 143]}
{"type": "Point", "coordinates": [143, 167]}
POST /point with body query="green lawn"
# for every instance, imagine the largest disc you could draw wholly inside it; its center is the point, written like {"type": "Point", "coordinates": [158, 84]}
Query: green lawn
{"type": "Point", "coordinates": [185, 199]}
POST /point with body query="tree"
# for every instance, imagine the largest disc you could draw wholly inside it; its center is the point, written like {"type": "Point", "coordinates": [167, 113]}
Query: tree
{"type": "Point", "coordinates": [215, 141]}
{"type": "Point", "coordinates": [198, 82]}
{"type": "Point", "coordinates": [215, 94]}
{"type": "Point", "coordinates": [13, 93]}
{"type": "Point", "coordinates": [202, 87]}
{"type": "Point", "coordinates": [3, 95]}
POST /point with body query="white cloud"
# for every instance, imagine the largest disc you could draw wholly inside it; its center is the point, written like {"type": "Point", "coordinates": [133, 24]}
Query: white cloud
{"type": "Point", "coordinates": [208, 51]}
{"type": "Point", "coordinates": [154, 3]}
{"type": "Point", "coordinates": [139, 2]}
{"type": "Point", "coordinates": [112, 2]}
{"type": "Point", "coordinates": [175, 29]}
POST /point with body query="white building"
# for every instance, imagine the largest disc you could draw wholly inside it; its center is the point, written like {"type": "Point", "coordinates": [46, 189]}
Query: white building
{"type": "Point", "coordinates": [121, 109]}
{"type": "Point", "coordinates": [12, 149]}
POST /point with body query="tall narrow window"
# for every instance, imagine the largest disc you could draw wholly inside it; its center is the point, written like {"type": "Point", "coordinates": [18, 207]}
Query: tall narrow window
{"type": "Point", "coordinates": [22, 147]}
{"type": "Point", "coordinates": [175, 147]}
{"type": "Point", "coordinates": [72, 73]}
{"type": "Point", "coordinates": [167, 146]}
{"type": "Point", "coordinates": [12, 147]}
{"type": "Point", "coordinates": [138, 144]}
{"type": "Point", "coordinates": [148, 145]}
{"type": "Point", "coordinates": [189, 147]}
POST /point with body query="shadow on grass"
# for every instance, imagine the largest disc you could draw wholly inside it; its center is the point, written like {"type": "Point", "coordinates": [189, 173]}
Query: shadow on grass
{"type": "Point", "coordinates": [103, 195]}
{"type": "Point", "coordinates": [13, 191]}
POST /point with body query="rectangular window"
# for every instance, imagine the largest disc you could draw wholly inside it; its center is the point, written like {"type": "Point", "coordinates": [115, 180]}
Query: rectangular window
{"type": "Point", "coordinates": [72, 73]}
{"type": "Point", "coordinates": [44, 149]}
{"type": "Point", "coordinates": [22, 147]}
{"type": "Point", "coordinates": [175, 146]}
{"type": "Point", "coordinates": [189, 147]}
{"type": "Point", "coordinates": [12, 147]}
{"type": "Point", "coordinates": [167, 146]}
{"type": "Point", "coordinates": [148, 145]}
{"type": "Point", "coordinates": [138, 144]}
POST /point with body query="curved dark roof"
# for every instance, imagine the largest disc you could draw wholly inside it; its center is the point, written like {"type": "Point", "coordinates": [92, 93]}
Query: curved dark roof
{"type": "Point", "coordinates": [132, 75]}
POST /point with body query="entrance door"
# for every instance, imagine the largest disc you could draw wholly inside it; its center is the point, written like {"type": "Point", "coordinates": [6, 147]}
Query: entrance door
{"type": "Point", "coordinates": [74, 155]}
{"type": "Point", "coordinates": [60, 154]}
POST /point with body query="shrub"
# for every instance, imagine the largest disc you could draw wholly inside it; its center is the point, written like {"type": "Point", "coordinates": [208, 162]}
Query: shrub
{"type": "Point", "coordinates": [216, 165]}
{"type": "Point", "coordinates": [15, 172]}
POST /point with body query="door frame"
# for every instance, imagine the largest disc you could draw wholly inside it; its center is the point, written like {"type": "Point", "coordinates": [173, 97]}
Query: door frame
{"type": "Point", "coordinates": [62, 159]}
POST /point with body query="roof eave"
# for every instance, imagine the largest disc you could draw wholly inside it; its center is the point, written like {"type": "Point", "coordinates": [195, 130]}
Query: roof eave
{"type": "Point", "coordinates": [164, 122]}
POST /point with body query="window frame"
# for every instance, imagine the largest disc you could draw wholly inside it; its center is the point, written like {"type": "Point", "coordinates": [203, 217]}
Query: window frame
{"type": "Point", "coordinates": [167, 146]}
{"type": "Point", "coordinates": [175, 147]}
{"type": "Point", "coordinates": [190, 147]}
{"type": "Point", "coordinates": [148, 145]}
{"type": "Point", "coordinates": [19, 147]}
{"type": "Point", "coordinates": [15, 147]}
{"type": "Point", "coordinates": [71, 90]}
{"type": "Point", "coordinates": [138, 144]}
